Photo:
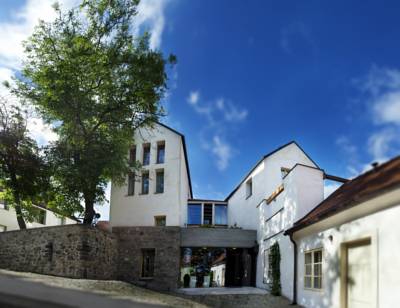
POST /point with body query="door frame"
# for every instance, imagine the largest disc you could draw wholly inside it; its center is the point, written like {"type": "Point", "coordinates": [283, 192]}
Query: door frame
{"type": "Point", "coordinates": [352, 241]}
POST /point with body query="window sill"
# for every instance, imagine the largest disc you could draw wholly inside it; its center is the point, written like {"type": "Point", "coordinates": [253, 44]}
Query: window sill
{"type": "Point", "coordinates": [313, 290]}
{"type": "Point", "coordinates": [158, 193]}
{"type": "Point", "coordinates": [146, 278]}
{"type": "Point", "coordinates": [143, 194]}
{"type": "Point", "coordinates": [160, 163]}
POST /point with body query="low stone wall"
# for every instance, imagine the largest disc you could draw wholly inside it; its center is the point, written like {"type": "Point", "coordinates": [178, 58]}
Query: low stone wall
{"type": "Point", "coordinates": [165, 241]}
{"type": "Point", "coordinates": [74, 251]}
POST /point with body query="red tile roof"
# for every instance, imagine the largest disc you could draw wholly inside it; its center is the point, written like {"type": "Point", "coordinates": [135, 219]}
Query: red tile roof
{"type": "Point", "coordinates": [379, 180]}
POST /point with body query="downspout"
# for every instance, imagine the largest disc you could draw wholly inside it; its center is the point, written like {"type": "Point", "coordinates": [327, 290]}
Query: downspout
{"type": "Point", "coordinates": [294, 300]}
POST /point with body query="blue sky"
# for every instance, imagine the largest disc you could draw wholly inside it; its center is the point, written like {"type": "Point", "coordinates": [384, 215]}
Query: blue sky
{"type": "Point", "coordinates": [253, 75]}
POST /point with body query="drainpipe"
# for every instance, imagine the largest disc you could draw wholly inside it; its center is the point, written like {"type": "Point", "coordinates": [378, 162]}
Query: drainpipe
{"type": "Point", "coordinates": [294, 300]}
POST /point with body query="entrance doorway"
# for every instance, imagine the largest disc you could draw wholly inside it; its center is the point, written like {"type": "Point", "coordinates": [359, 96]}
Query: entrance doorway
{"type": "Point", "coordinates": [240, 267]}
{"type": "Point", "coordinates": [357, 279]}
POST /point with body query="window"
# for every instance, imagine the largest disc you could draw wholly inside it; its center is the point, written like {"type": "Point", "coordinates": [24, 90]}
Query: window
{"type": "Point", "coordinates": [267, 278]}
{"type": "Point", "coordinates": [131, 184]}
{"type": "Point", "coordinates": [284, 171]}
{"type": "Point", "coordinates": [194, 214]}
{"type": "Point", "coordinates": [313, 269]}
{"type": "Point", "coordinates": [249, 188]}
{"type": "Point", "coordinates": [207, 213]}
{"type": "Point", "coordinates": [160, 152]}
{"type": "Point", "coordinates": [160, 221]}
{"type": "Point", "coordinates": [220, 212]}
{"type": "Point", "coordinates": [132, 155]}
{"type": "Point", "coordinates": [146, 154]}
{"type": "Point", "coordinates": [39, 216]}
{"type": "Point", "coordinates": [145, 183]}
{"type": "Point", "coordinates": [148, 256]}
{"type": "Point", "coordinates": [159, 181]}
{"type": "Point", "coordinates": [3, 205]}
{"type": "Point", "coordinates": [63, 221]}
{"type": "Point", "coordinates": [3, 228]}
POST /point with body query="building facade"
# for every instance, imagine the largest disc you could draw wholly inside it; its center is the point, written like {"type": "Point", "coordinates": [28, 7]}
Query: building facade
{"type": "Point", "coordinates": [45, 217]}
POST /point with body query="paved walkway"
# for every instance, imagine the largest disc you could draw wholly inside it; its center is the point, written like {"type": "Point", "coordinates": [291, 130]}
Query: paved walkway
{"type": "Point", "coordinates": [222, 291]}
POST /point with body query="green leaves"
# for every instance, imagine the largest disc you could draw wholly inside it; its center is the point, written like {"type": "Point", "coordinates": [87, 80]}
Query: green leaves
{"type": "Point", "coordinates": [86, 72]}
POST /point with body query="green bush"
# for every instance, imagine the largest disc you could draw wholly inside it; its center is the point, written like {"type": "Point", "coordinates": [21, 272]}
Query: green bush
{"type": "Point", "coordinates": [275, 256]}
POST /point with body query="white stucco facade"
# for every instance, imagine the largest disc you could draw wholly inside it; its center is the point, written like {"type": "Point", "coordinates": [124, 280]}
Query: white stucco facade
{"type": "Point", "coordinates": [377, 220]}
{"type": "Point", "coordinates": [141, 209]}
{"type": "Point", "coordinates": [8, 219]}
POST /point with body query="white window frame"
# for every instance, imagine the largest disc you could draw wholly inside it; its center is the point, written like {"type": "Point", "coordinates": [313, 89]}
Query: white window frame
{"type": "Point", "coordinates": [312, 275]}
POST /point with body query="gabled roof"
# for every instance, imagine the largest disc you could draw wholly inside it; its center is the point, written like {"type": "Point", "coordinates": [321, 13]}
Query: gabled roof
{"type": "Point", "coordinates": [368, 185]}
{"type": "Point", "coordinates": [262, 159]}
{"type": "Point", "coordinates": [184, 152]}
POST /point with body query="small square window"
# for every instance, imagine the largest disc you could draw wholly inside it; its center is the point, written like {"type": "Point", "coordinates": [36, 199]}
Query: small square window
{"type": "Point", "coordinates": [148, 258]}
{"type": "Point", "coordinates": [145, 183]}
{"type": "Point", "coordinates": [146, 154]}
{"type": "Point", "coordinates": [160, 221]}
{"type": "Point", "coordinates": [39, 216]}
{"type": "Point", "coordinates": [3, 228]}
{"type": "Point", "coordinates": [160, 153]}
{"type": "Point", "coordinates": [249, 188]}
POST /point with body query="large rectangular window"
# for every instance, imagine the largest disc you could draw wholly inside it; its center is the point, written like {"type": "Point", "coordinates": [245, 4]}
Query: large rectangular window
{"type": "Point", "coordinates": [146, 154]}
{"type": "Point", "coordinates": [145, 183]}
{"type": "Point", "coordinates": [131, 184]}
{"type": "Point", "coordinates": [159, 181]}
{"type": "Point", "coordinates": [221, 217]}
{"type": "Point", "coordinates": [207, 214]}
{"type": "Point", "coordinates": [194, 214]}
{"type": "Point", "coordinates": [313, 269]}
{"type": "Point", "coordinates": [160, 152]}
{"type": "Point", "coordinates": [148, 256]}
{"type": "Point", "coordinates": [132, 155]}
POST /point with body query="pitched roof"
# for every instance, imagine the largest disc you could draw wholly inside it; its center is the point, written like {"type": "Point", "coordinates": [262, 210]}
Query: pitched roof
{"type": "Point", "coordinates": [368, 185]}
{"type": "Point", "coordinates": [184, 152]}
{"type": "Point", "coordinates": [262, 159]}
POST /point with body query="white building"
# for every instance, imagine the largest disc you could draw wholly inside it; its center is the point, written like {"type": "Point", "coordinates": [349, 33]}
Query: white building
{"type": "Point", "coordinates": [8, 218]}
{"type": "Point", "coordinates": [284, 189]}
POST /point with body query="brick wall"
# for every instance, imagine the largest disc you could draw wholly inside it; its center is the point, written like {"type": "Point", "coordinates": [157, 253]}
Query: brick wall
{"type": "Point", "coordinates": [74, 251]}
{"type": "Point", "coordinates": [165, 241]}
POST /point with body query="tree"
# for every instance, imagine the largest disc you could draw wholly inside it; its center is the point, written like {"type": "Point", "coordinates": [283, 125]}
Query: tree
{"type": "Point", "coordinates": [22, 169]}
{"type": "Point", "coordinates": [97, 83]}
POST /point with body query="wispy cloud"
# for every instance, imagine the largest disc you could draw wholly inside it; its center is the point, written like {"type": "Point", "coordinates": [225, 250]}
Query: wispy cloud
{"type": "Point", "coordinates": [292, 33]}
{"type": "Point", "coordinates": [221, 116]}
{"type": "Point", "coordinates": [380, 92]}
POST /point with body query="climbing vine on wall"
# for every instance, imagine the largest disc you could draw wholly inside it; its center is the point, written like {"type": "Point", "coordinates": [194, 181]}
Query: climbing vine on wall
{"type": "Point", "coordinates": [275, 260]}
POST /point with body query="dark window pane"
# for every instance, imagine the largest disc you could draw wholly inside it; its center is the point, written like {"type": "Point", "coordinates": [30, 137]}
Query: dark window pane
{"type": "Point", "coordinates": [194, 214]}
{"type": "Point", "coordinates": [145, 183]}
{"type": "Point", "coordinates": [131, 184]}
{"type": "Point", "coordinates": [221, 217]}
{"type": "Point", "coordinates": [160, 182]}
{"type": "Point", "coordinates": [160, 221]}
{"type": "Point", "coordinates": [207, 214]}
{"type": "Point", "coordinates": [146, 155]}
{"type": "Point", "coordinates": [160, 153]}
{"type": "Point", "coordinates": [148, 256]}
{"type": "Point", "coordinates": [132, 155]}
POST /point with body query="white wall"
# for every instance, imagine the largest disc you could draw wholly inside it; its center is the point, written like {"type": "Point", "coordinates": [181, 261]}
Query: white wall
{"type": "Point", "coordinates": [384, 229]}
{"type": "Point", "coordinates": [8, 218]}
{"type": "Point", "coordinates": [139, 210]}
{"type": "Point", "coordinates": [303, 190]}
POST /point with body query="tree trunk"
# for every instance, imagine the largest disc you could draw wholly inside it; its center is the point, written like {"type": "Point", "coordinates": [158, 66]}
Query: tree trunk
{"type": "Point", "coordinates": [20, 218]}
{"type": "Point", "coordinates": [89, 211]}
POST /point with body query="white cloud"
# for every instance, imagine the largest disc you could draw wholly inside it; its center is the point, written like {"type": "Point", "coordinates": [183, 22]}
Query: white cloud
{"type": "Point", "coordinates": [222, 117]}
{"type": "Point", "coordinates": [330, 188]}
{"type": "Point", "coordinates": [222, 151]}
{"type": "Point", "coordinates": [384, 144]}
{"type": "Point", "coordinates": [40, 131]}
{"type": "Point", "coordinates": [193, 97]}
{"type": "Point", "coordinates": [151, 17]}
{"type": "Point", "coordinates": [386, 108]}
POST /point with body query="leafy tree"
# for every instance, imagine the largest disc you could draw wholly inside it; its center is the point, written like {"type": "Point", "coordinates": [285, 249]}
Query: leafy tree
{"type": "Point", "coordinates": [87, 74]}
{"type": "Point", "coordinates": [23, 173]}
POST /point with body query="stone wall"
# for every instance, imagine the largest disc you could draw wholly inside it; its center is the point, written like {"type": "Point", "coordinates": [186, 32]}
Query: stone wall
{"type": "Point", "coordinates": [74, 251]}
{"type": "Point", "coordinates": [165, 241]}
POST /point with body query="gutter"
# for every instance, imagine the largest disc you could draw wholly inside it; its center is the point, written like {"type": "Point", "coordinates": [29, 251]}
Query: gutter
{"type": "Point", "coordinates": [294, 300]}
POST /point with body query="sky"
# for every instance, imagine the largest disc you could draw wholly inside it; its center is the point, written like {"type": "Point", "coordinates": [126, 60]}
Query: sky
{"type": "Point", "coordinates": [254, 75]}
